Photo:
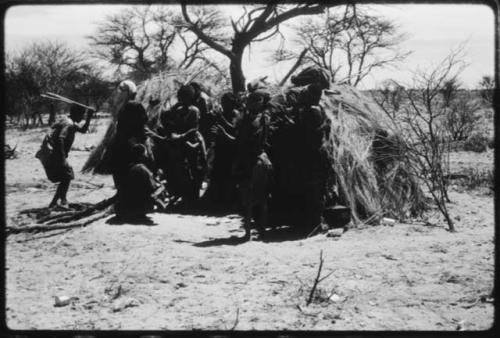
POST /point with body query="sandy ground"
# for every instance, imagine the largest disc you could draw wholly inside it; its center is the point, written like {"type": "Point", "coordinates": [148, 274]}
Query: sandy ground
{"type": "Point", "coordinates": [191, 272]}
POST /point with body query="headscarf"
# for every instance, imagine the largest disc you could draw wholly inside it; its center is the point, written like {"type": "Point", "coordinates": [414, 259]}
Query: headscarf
{"type": "Point", "coordinates": [129, 86]}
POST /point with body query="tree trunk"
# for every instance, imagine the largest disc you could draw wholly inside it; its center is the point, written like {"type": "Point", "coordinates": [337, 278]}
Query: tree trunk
{"type": "Point", "coordinates": [237, 77]}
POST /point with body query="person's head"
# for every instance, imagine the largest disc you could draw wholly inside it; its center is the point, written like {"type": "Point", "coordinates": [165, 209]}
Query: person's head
{"type": "Point", "coordinates": [153, 102]}
{"type": "Point", "coordinates": [312, 75]}
{"type": "Point", "coordinates": [138, 153]}
{"type": "Point", "coordinates": [197, 88]}
{"type": "Point", "coordinates": [76, 112]}
{"type": "Point", "coordinates": [257, 84]}
{"type": "Point", "coordinates": [229, 101]}
{"type": "Point", "coordinates": [256, 100]}
{"type": "Point", "coordinates": [128, 87]}
{"type": "Point", "coordinates": [311, 95]}
{"type": "Point", "coordinates": [186, 94]}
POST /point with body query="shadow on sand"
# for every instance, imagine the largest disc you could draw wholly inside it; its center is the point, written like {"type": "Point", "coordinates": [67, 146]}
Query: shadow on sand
{"type": "Point", "coordinates": [144, 220]}
{"type": "Point", "coordinates": [275, 235]}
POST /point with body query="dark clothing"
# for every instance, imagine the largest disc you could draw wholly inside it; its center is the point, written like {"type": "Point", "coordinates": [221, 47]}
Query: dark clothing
{"type": "Point", "coordinates": [136, 199]}
{"type": "Point", "coordinates": [130, 131]}
{"type": "Point", "coordinates": [222, 189]}
{"type": "Point", "coordinates": [60, 139]}
{"type": "Point", "coordinates": [225, 148]}
{"type": "Point", "coordinates": [202, 102]}
{"type": "Point", "coordinates": [131, 120]}
{"type": "Point", "coordinates": [62, 136]}
{"type": "Point", "coordinates": [180, 119]}
{"type": "Point", "coordinates": [252, 133]}
{"type": "Point", "coordinates": [59, 171]}
{"type": "Point", "coordinates": [187, 155]}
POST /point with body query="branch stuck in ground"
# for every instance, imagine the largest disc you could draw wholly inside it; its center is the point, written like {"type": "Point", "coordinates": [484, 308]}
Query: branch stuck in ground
{"type": "Point", "coordinates": [317, 279]}
{"type": "Point", "coordinates": [236, 320]}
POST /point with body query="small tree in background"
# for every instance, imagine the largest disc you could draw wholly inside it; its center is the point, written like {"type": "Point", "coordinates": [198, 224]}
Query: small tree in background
{"type": "Point", "coordinates": [449, 91]}
{"type": "Point", "coordinates": [390, 96]}
{"type": "Point", "coordinates": [462, 117]}
{"type": "Point", "coordinates": [487, 87]}
{"type": "Point", "coordinates": [92, 89]}
{"type": "Point", "coordinates": [41, 67]}
{"type": "Point", "coordinates": [45, 67]}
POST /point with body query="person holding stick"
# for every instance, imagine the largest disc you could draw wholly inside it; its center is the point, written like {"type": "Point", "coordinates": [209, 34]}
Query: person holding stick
{"type": "Point", "coordinates": [59, 141]}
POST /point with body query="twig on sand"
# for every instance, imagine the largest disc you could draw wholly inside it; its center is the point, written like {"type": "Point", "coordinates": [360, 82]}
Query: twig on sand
{"type": "Point", "coordinates": [408, 281]}
{"type": "Point", "coordinates": [314, 231]}
{"type": "Point", "coordinates": [306, 313]}
{"type": "Point", "coordinates": [317, 279]}
{"type": "Point", "coordinates": [61, 239]}
{"type": "Point", "coordinates": [236, 320]}
{"type": "Point", "coordinates": [43, 236]}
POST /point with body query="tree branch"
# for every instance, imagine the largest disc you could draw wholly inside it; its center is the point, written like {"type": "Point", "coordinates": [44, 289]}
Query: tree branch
{"type": "Point", "coordinates": [203, 37]}
{"type": "Point", "coordinates": [295, 66]}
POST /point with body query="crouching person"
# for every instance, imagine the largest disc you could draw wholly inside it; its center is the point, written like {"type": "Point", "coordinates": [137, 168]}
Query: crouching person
{"type": "Point", "coordinates": [136, 199]}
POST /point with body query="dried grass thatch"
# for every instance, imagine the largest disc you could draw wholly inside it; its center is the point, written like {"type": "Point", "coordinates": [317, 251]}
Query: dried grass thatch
{"type": "Point", "coordinates": [372, 183]}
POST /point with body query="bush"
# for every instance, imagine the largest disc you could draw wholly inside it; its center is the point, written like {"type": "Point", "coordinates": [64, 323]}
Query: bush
{"type": "Point", "coordinates": [477, 143]}
{"type": "Point", "coordinates": [479, 178]}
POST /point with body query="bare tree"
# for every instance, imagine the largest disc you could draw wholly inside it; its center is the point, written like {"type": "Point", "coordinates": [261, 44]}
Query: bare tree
{"type": "Point", "coordinates": [257, 23]}
{"type": "Point", "coordinates": [423, 119]}
{"type": "Point", "coordinates": [126, 39]}
{"type": "Point", "coordinates": [350, 44]}
{"type": "Point", "coordinates": [92, 89]}
{"type": "Point", "coordinates": [143, 40]}
{"type": "Point", "coordinates": [41, 67]}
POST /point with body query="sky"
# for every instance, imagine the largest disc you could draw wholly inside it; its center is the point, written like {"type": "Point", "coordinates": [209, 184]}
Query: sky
{"type": "Point", "coordinates": [432, 32]}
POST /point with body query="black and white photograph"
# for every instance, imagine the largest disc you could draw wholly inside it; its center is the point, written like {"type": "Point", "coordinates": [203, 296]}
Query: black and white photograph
{"type": "Point", "coordinates": [268, 166]}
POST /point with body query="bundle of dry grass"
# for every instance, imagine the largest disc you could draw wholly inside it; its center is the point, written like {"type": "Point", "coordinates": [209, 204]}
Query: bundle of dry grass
{"type": "Point", "coordinates": [372, 182]}
{"type": "Point", "coordinates": [99, 159]}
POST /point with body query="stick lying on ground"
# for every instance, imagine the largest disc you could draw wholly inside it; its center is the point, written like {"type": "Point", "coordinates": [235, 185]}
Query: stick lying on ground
{"type": "Point", "coordinates": [70, 219]}
{"type": "Point", "coordinates": [57, 97]}
{"type": "Point", "coordinates": [57, 226]}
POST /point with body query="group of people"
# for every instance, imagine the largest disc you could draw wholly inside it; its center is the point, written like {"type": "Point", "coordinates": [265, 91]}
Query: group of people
{"type": "Point", "coordinates": [239, 149]}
